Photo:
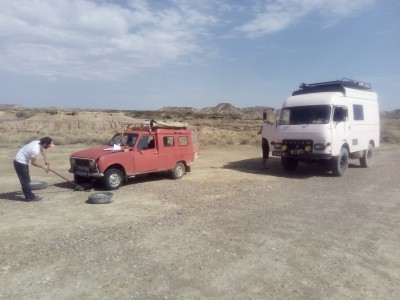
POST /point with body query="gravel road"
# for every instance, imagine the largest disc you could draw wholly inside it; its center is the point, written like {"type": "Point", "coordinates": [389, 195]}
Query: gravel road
{"type": "Point", "coordinates": [227, 230]}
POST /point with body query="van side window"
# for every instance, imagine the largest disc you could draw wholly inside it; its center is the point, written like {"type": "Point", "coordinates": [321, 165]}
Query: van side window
{"type": "Point", "coordinates": [340, 114]}
{"type": "Point", "coordinates": [358, 112]}
{"type": "Point", "coordinates": [183, 141]}
{"type": "Point", "coordinates": [168, 141]}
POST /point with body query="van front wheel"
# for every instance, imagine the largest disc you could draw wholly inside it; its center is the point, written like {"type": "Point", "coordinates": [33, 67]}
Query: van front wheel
{"type": "Point", "coordinates": [340, 163]}
{"type": "Point", "coordinates": [289, 164]}
{"type": "Point", "coordinates": [367, 158]}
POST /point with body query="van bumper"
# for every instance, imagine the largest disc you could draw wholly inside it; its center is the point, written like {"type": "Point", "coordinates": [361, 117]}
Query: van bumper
{"type": "Point", "coordinates": [302, 156]}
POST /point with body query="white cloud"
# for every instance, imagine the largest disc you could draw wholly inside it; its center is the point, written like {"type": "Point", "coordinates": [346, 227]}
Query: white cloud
{"type": "Point", "coordinates": [276, 15]}
{"type": "Point", "coordinates": [94, 40]}
{"type": "Point", "coordinates": [103, 39]}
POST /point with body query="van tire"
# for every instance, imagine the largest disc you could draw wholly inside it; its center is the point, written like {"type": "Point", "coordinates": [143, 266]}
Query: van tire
{"type": "Point", "coordinates": [289, 164]}
{"type": "Point", "coordinates": [340, 163]}
{"type": "Point", "coordinates": [178, 171]}
{"type": "Point", "coordinates": [368, 156]}
{"type": "Point", "coordinates": [113, 179]}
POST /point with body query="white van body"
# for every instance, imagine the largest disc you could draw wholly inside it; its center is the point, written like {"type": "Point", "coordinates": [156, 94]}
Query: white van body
{"type": "Point", "coordinates": [328, 122]}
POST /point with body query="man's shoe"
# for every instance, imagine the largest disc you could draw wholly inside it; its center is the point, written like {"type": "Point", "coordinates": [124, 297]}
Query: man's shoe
{"type": "Point", "coordinates": [36, 198]}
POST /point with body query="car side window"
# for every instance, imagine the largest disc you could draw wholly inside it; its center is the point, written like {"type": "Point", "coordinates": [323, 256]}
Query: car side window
{"type": "Point", "coordinates": [168, 141]}
{"type": "Point", "coordinates": [146, 142]}
{"type": "Point", "coordinates": [183, 141]}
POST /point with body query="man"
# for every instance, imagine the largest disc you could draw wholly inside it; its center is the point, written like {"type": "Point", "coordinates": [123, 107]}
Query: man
{"type": "Point", "coordinates": [30, 153]}
{"type": "Point", "coordinates": [267, 132]}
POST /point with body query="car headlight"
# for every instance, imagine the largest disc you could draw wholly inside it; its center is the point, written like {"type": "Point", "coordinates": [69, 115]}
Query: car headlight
{"type": "Point", "coordinates": [308, 148]}
{"type": "Point", "coordinates": [277, 145]}
{"type": "Point", "coordinates": [284, 147]}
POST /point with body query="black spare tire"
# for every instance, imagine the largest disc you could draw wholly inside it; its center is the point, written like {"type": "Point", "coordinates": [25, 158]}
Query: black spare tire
{"type": "Point", "coordinates": [101, 198]}
{"type": "Point", "coordinates": [38, 185]}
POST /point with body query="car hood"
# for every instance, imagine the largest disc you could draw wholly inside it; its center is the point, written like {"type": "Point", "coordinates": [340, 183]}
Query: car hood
{"type": "Point", "coordinates": [94, 153]}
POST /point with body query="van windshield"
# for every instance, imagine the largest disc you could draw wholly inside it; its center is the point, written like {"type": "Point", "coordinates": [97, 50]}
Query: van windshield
{"type": "Point", "coordinates": [123, 139]}
{"type": "Point", "coordinates": [310, 114]}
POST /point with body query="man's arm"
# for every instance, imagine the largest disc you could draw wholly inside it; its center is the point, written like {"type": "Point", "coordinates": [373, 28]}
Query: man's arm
{"type": "Point", "coordinates": [35, 163]}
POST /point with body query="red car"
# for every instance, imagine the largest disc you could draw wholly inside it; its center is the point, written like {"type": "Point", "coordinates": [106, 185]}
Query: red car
{"type": "Point", "coordinates": [145, 148]}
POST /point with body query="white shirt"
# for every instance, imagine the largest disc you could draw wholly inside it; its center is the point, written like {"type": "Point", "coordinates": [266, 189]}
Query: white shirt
{"type": "Point", "coordinates": [268, 131]}
{"type": "Point", "coordinates": [27, 152]}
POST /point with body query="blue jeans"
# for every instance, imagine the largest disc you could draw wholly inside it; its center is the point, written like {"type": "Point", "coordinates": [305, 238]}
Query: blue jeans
{"type": "Point", "coordinates": [25, 179]}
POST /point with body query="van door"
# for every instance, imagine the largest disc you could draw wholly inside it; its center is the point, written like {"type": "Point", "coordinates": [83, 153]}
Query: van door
{"type": "Point", "coordinates": [146, 155]}
{"type": "Point", "coordinates": [340, 129]}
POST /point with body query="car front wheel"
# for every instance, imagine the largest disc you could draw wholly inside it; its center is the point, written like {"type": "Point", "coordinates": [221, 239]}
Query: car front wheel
{"type": "Point", "coordinates": [113, 179]}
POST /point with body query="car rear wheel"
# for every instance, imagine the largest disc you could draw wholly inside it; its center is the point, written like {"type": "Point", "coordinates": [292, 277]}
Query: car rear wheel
{"type": "Point", "coordinates": [113, 179]}
{"type": "Point", "coordinates": [178, 171]}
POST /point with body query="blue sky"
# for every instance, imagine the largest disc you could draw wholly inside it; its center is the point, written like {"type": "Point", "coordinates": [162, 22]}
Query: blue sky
{"type": "Point", "coordinates": [138, 55]}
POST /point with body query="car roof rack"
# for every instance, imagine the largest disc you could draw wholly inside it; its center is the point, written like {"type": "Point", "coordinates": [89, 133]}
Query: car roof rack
{"type": "Point", "coordinates": [331, 86]}
{"type": "Point", "coordinates": [148, 125]}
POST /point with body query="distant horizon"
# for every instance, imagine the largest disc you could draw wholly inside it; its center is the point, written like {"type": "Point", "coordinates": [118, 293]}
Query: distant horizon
{"type": "Point", "coordinates": [116, 109]}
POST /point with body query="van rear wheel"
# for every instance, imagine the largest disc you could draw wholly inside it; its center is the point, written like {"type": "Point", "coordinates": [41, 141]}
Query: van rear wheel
{"type": "Point", "coordinates": [340, 163]}
{"type": "Point", "coordinates": [367, 158]}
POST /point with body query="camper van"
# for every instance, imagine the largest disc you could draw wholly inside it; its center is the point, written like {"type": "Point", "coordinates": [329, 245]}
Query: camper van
{"type": "Point", "coordinates": [328, 122]}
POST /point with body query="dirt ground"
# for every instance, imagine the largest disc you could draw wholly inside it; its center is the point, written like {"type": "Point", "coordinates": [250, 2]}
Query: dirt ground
{"type": "Point", "coordinates": [227, 230]}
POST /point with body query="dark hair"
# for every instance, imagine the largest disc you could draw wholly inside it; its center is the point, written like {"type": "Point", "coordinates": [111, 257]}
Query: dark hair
{"type": "Point", "coordinates": [46, 141]}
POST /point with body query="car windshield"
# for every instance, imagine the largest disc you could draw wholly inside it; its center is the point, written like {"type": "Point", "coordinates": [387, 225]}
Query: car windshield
{"type": "Point", "coordinates": [123, 139]}
{"type": "Point", "coordinates": [311, 114]}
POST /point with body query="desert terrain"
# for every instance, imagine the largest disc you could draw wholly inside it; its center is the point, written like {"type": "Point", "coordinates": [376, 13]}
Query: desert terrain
{"type": "Point", "coordinates": [227, 230]}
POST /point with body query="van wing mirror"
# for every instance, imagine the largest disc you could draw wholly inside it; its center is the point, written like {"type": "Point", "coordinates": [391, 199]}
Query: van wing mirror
{"type": "Point", "coordinates": [269, 115]}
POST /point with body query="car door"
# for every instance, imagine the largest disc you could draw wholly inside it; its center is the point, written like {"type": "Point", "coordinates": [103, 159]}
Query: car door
{"type": "Point", "coordinates": [146, 157]}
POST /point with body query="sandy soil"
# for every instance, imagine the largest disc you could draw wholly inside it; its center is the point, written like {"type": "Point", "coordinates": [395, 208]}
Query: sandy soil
{"type": "Point", "coordinates": [227, 230]}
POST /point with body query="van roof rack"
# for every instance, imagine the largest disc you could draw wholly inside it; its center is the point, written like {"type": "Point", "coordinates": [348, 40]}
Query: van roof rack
{"type": "Point", "coordinates": [331, 86]}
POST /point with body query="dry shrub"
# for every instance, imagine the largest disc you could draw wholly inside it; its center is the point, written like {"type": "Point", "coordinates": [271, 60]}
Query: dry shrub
{"type": "Point", "coordinates": [86, 138]}
{"type": "Point", "coordinates": [24, 114]}
{"type": "Point", "coordinates": [390, 131]}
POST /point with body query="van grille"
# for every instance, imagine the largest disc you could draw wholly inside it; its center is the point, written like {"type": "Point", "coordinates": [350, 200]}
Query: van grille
{"type": "Point", "coordinates": [297, 144]}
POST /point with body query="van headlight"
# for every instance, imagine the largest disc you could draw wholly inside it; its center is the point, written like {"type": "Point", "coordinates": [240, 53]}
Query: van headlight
{"type": "Point", "coordinates": [319, 146]}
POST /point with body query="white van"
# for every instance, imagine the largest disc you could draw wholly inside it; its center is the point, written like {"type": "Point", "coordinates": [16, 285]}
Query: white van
{"type": "Point", "coordinates": [328, 122]}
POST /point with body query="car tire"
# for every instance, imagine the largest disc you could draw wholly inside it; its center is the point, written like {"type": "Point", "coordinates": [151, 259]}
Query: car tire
{"type": "Point", "coordinates": [113, 179]}
{"type": "Point", "coordinates": [38, 185]}
{"type": "Point", "coordinates": [178, 171]}
{"type": "Point", "coordinates": [101, 198]}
